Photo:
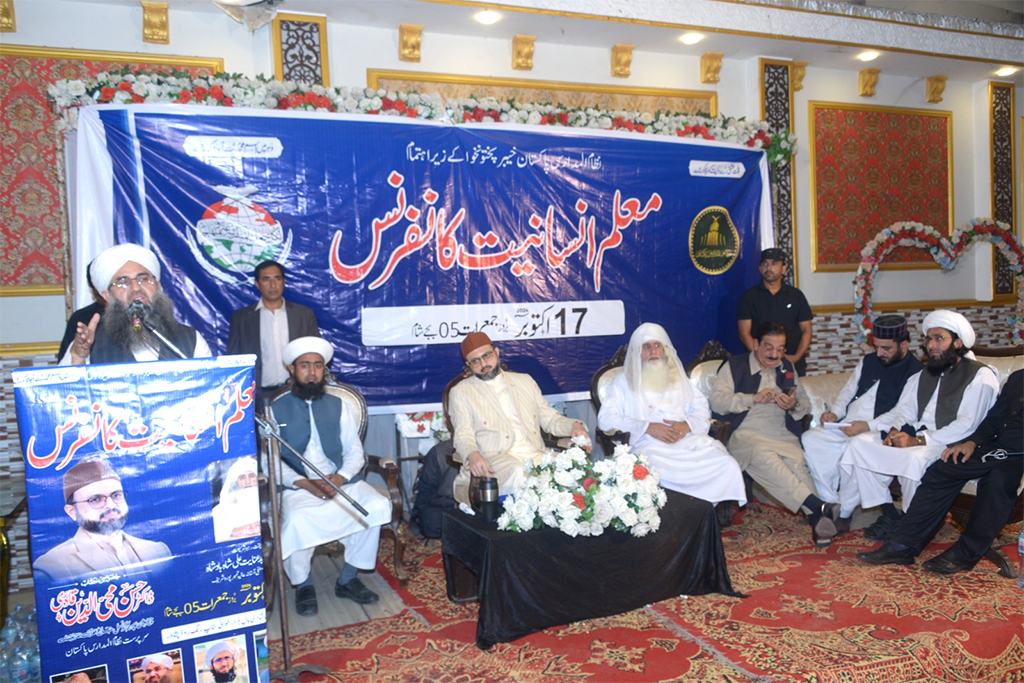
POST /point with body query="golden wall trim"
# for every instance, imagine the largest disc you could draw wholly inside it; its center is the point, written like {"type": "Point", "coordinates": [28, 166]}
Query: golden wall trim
{"type": "Point", "coordinates": [622, 59]}
{"type": "Point", "coordinates": [522, 52]}
{"type": "Point", "coordinates": [29, 349]}
{"type": "Point", "coordinates": [867, 79]}
{"type": "Point", "coordinates": [812, 105]}
{"type": "Point", "coordinates": [156, 28]}
{"type": "Point", "coordinates": [797, 72]}
{"type": "Point", "coordinates": [215, 64]}
{"type": "Point", "coordinates": [728, 32]}
{"type": "Point", "coordinates": [32, 290]}
{"type": "Point", "coordinates": [374, 76]}
{"type": "Point", "coordinates": [410, 39]}
{"type": "Point", "coordinates": [710, 65]}
{"type": "Point", "coordinates": [321, 22]}
{"type": "Point", "coordinates": [7, 24]}
{"type": "Point", "coordinates": [889, 307]}
{"type": "Point", "coordinates": [934, 87]}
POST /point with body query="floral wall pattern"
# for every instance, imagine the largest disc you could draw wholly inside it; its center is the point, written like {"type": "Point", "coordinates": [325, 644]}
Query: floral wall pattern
{"type": "Point", "coordinates": [32, 212]}
{"type": "Point", "coordinates": [873, 167]}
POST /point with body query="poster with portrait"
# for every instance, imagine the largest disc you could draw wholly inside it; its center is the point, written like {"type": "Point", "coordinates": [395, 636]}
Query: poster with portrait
{"type": "Point", "coordinates": [144, 516]}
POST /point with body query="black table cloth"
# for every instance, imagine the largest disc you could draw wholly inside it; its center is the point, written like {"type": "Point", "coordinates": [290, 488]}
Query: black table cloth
{"type": "Point", "coordinates": [537, 579]}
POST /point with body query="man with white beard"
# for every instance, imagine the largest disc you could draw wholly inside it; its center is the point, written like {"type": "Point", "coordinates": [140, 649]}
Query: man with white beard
{"type": "Point", "coordinates": [237, 514]}
{"type": "Point", "coordinates": [128, 277]}
{"type": "Point", "coordinates": [668, 421]}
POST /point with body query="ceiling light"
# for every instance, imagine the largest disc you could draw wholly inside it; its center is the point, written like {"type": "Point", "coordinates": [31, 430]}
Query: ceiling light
{"type": "Point", "coordinates": [1006, 71]}
{"type": "Point", "coordinates": [868, 56]}
{"type": "Point", "coordinates": [487, 17]}
{"type": "Point", "coordinates": [691, 38]}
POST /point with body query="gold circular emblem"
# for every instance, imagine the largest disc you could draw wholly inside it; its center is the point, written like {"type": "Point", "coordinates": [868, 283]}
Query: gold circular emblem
{"type": "Point", "coordinates": [714, 241]}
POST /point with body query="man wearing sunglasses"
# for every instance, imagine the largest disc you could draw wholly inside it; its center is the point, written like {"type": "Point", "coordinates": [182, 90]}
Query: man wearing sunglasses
{"type": "Point", "coordinates": [128, 277]}
{"type": "Point", "coordinates": [497, 416]}
{"type": "Point", "coordinates": [96, 502]}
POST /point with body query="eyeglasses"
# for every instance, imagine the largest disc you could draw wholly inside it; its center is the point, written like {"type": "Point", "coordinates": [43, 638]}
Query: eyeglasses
{"type": "Point", "coordinates": [479, 360]}
{"type": "Point", "coordinates": [142, 279]}
{"type": "Point", "coordinates": [98, 502]}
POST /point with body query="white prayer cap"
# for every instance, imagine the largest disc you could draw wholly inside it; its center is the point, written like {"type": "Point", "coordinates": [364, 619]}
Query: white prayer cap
{"type": "Point", "coordinates": [217, 648]}
{"type": "Point", "coordinates": [952, 321]}
{"type": "Point", "coordinates": [303, 345]}
{"type": "Point", "coordinates": [106, 265]}
{"type": "Point", "coordinates": [162, 660]}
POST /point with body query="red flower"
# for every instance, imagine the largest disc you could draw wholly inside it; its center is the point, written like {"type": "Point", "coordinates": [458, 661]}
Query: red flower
{"type": "Point", "coordinates": [563, 118]}
{"type": "Point", "coordinates": [228, 102]}
{"type": "Point", "coordinates": [640, 472]}
{"type": "Point", "coordinates": [138, 99]}
{"type": "Point", "coordinates": [478, 114]}
{"type": "Point", "coordinates": [578, 501]}
{"type": "Point", "coordinates": [184, 97]}
{"type": "Point", "coordinates": [466, 116]}
{"type": "Point", "coordinates": [295, 100]}
{"type": "Point", "coordinates": [411, 112]}
{"type": "Point", "coordinates": [124, 85]}
{"type": "Point", "coordinates": [589, 483]}
{"type": "Point", "coordinates": [640, 128]}
{"type": "Point", "coordinates": [324, 102]}
{"type": "Point", "coordinates": [199, 92]}
{"type": "Point", "coordinates": [310, 97]}
{"type": "Point", "coordinates": [386, 104]}
{"type": "Point", "coordinates": [373, 111]}
{"type": "Point", "coordinates": [106, 93]}
{"type": "Point", "coordinates": [495, 115]}
{"type": "Point", "coordinates": [217, 93]}
{"type": "Point", "coordinates": [400, 107]}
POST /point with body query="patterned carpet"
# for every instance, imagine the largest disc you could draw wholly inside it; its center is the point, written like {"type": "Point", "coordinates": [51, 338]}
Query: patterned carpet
{"type": "Point", "coordinates": [819, 616]}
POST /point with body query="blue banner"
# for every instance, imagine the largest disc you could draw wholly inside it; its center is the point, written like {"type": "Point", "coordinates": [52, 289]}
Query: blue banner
{"type": "Point", "coordinates": [404, 236]}
{"type": "Point", "coordinates": [144, 518]}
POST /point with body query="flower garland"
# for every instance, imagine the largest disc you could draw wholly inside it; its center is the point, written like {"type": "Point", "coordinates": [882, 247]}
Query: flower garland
{"type": "Point", "coordinates": [125, 86]}
{"type": "Point", "coordinates": [945, 252]}
{"type": "Point", "coordinates": [568, 492]}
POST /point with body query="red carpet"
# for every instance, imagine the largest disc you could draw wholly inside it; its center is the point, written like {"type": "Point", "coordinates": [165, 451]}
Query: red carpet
{"type": "Point", "coordinates": [813, 615]}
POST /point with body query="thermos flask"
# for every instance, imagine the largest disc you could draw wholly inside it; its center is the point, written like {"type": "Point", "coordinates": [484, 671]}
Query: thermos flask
{"type": "Point", "coordinates": [486, 498]}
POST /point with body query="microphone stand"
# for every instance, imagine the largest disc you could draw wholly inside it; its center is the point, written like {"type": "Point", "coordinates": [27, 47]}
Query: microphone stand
{"type": "Point", "coordinates": [166, 342]}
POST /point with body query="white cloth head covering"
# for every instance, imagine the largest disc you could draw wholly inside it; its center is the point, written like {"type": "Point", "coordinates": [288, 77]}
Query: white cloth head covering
{"type": "Point", "coordinates": [217, 648]}
{"type": "Point", "coordinates": [634, 354]}
{"type": "Point", "coordinates": [106, 265]}
{"type": "Point", "coordinates": [237, 469]}
{"type": "Point", "coordinates": [162, 660]}
{"type": "Point", "coordinates": [952, 321]}
{"type": "Point", "coordinates": [303, 345]}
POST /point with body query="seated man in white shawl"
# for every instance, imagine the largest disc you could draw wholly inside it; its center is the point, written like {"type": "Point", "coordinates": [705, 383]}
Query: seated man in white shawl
{"type": "Point", "coordinates": [237, 514]}
{"type": "Point", "coordinates": [668, 421]}
{"type": "Point", "coordinates": [322, 428]}
{"type": "Point", "coordinates": [941, 405]}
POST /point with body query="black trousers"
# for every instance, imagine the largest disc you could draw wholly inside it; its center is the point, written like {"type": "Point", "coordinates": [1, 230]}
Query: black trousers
{"type": "Point", "coordinates": [997, 492]}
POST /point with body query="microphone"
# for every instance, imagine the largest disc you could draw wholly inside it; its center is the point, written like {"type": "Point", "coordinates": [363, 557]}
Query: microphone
{"type": "Point", "coordinates": [137, 311]}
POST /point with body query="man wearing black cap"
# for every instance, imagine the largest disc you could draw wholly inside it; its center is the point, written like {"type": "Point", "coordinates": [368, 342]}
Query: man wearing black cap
{"type": "Point", "coordinates": [774, 300]}
{"type": "Point", "coordinates": [874, 389]}
{"type": "Point", "coordinates": [992, 454]}
{"type": "Point", "coordinates": [95, 500]}
{"type": "Point", "coordinates": [497, 417]}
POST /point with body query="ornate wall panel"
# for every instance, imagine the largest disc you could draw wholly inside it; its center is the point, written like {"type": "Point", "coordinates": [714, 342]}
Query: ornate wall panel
{"type": "Point", "coordinates": [1003, 200]}
{"type": "Point", "coordinates": [300, 48]}
{"type": "Point", "coordinates": [32, 212]}
{"type": "Point", "coordinates": [777, 110]}
{"type": "Point", "coordinates": [872, 167]}
{"type": "Point", "coordinates": [568, 94]}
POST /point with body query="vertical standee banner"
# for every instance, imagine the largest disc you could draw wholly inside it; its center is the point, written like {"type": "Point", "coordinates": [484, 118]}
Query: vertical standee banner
{"type": "Point", "coordinates": [144, 517]}
{"type": "Point", "coordinates": [405, 236]}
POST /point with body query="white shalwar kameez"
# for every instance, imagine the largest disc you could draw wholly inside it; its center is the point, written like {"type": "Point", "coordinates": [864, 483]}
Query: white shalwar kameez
{"type": "Point", "coordinates": [309, 521]}
{"type": "Point", "coordinates": [697, 464]}
{"type": "Point", "coordinates": [869, 466]}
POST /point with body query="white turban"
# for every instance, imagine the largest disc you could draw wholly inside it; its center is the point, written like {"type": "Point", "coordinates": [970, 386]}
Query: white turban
{"type": "Point", "coordinates": [952, 321]}
{"type": "Point", "coordinates": [303, 345]}
{"type": "Point", "coordinates": [237, 469]}
{"type": "Point", "coordinates": [217, 648]}
{"type": "Point", "coordinates": [634, 354]}
{"type": "Point", "coordinates": [162, 660]}
{"type": "Point", "coordinates": [106, 265]}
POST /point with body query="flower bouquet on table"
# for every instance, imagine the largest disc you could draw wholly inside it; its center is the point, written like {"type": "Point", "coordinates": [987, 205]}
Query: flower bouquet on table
{"type": "Point", "coordinates": [568, 492]}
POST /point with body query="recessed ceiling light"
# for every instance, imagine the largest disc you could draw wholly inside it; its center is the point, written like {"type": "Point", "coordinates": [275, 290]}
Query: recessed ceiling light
{"type": "Point", "coordinates": [1006, 71]}
{"type": "Point", "coordinates": [487, 17]}
{"type": "Point", "coordinates": [691, 38]}
{"type": "Point", "coordinates": [867, 56]}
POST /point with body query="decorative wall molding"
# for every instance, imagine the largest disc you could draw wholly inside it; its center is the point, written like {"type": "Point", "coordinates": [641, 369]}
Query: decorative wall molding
{"type": "Point", "coordinates": [7, 23]}
{"type": "Point", "coordinates": [522, 52]}
{"type": "Point", "coordinates": [1004, 201]}
{"type": "Point", "coordinates": [622, 58]}
{"type": "Point", "coordinates": [796, 75]}
{"type": "Point", "coordinates": [867, 79]}
{"type": "Point", "coordinates": [410, 39]}
{"type": "Point", "coordinates": [300, 48]}
{"type": "Point", "coordinates": [710, 65]}
{"type": "Point", "coordinates": [934, 87]}
{"type": "Point", "coordinates": [155, 25]}
{"type": "Point", "coordinates": [777, 110]}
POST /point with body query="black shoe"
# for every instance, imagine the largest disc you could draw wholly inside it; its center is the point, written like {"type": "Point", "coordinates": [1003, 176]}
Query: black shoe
{"type": "Point", "coordinates": [842, 526]}
{"type": "Point", "coordinates": [305, 601]}
{"type": "Point", "coordinates": [881, 529]}
{"type": "Point", "coordinates": [823, 531]}
{"type": "Point", "coordinates": [886, 554]}
{"type": "Point", "coordinates": [355, 591]}
{"type": "Point", "coordinates": [724, 512]}
{"type": "Point", "coordinates": [944, 563]}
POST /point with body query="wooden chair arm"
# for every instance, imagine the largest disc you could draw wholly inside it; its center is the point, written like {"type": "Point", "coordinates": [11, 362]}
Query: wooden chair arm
{"type": "Point", "coordinates": [720, 429]}
{"type": "Point", "coordinates": [388, 471]}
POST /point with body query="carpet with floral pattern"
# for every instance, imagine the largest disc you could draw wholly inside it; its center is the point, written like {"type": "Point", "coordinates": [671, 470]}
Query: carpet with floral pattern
{"type": "Point", "coordinates": [812, 615]}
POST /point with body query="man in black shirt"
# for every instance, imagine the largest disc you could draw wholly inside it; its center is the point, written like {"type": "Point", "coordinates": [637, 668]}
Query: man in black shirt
{"type": "Point", "coordinates": [774, 300]}
{"type": "Point", "coordinates": [992, 454]}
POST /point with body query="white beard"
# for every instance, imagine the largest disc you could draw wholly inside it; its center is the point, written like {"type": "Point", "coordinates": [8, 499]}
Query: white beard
{"type": "Point", "coordinates": [658, 376]}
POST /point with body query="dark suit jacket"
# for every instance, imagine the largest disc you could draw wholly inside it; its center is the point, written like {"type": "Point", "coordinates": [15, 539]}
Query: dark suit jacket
{"type": "Point", "coordinates": [244, 333]}
{"type": "Point", "coordinates": [79, 557]}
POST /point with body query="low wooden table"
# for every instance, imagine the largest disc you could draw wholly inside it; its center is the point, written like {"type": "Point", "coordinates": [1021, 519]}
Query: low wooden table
{"type": "Point", "coordinates": [530, 581]}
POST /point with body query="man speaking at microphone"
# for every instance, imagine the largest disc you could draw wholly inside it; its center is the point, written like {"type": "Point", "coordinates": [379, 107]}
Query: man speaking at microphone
{"type": "Point", "coordinates": [128, 277]}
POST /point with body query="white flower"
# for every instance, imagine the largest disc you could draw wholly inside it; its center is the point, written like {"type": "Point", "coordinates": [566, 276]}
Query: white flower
{"type": "Point", "coordinates": [534, 118]}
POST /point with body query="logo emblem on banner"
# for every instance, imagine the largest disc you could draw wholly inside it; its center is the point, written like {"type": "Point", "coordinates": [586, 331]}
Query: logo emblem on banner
{"type": "Point", "coordinates": [714, 241]}
{"type": "Point", "coordinates": [235, 235]}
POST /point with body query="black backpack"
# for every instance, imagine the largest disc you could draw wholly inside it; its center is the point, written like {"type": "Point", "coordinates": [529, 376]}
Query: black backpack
{"type": "Point", "coordinates": [434, 487]}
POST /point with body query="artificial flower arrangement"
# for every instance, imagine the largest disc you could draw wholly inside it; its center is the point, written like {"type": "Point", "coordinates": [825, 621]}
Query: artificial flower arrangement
{"type": "Point", "coordinates": [125, 86]}
{"type": "Point", "coordinates": [568, 492]}
{"type": "Point", "coordinates": [944, 252]}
